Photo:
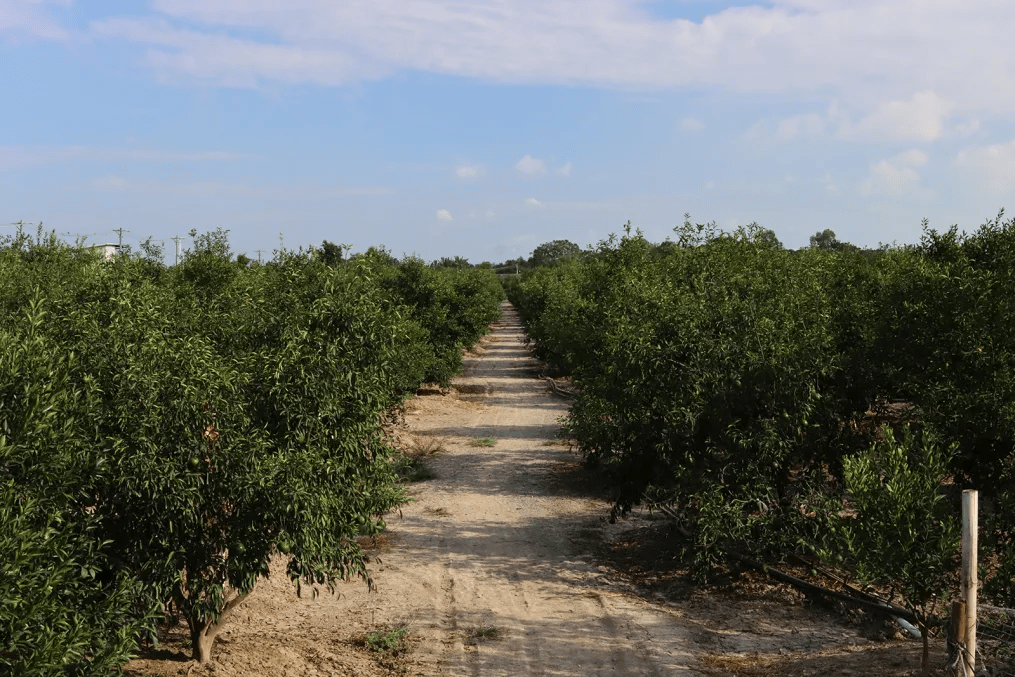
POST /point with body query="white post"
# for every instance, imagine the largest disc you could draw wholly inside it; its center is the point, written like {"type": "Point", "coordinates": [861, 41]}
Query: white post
{"type": "Point", "coordinates": [970, 527]}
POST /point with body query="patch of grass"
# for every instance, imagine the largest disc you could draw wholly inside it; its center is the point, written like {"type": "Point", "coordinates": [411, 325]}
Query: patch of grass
{"type": "Point", "coordinates": [426, 446]}
{"type": "Point", "coordinates": [484, 633]}
{"type": "Point", "coordinates": [483, 442]}
{"type": "Point", "coordinates": [438, 512]}
{"type": "Point", "coordinates": [387, 643]}
{"type": "Point", "coordinates": [749, 665]}
{"type": "Point", "coordinates": [409, 464]}
{"type": "Point", "coordinates": [412, 469]}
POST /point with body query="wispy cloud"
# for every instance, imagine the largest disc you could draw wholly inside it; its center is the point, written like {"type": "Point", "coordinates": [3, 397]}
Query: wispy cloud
{"type": "Point", "coordinates": [226, 190]}
{"type": "Point", "coordinates": [20, 19]}
{"type": "Point", "coordinates": [895, 175]}
{"type": "Point", "coordinates": [217, 58]}
{"type": "Point", "coordinates": [800, 126]}
{"type": "Point", "coordinates": [691, 124]}
{"type": "Point", "coordinates": [444, 215]}
{"type": "Point", "coordinates": [991, 168]}
{"type": "Point", "coordinates": [23, 157]}
{"type": "Point", "coordinates": [830, 186]}
{"type": "Point", "coordinates": [530, 166]}
{"type": "Point", "coordinates": [921, 118]}
{"type": "Point", "coordinates": [564, 170]}
{"type": "Point", "coordinates": [806, 125]}
{"type": "Point", "coordinates": [470, 172]}
{"type": "Point", "coordinates": [793, 45]}
{"type": "Point", "coordinates": [532, 202]}
{"type": "Point", "coordinates": [967, 128]}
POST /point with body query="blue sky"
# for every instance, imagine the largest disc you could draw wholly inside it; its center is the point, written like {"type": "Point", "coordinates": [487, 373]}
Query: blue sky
{"type": "Point", "coordinates": [484, 128]}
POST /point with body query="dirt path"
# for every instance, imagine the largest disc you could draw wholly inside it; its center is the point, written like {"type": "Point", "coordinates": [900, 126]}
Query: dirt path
{"type": "Point", "coordinates": [486, 547]}
{"type": "Point", "coordinates": [497, 568]}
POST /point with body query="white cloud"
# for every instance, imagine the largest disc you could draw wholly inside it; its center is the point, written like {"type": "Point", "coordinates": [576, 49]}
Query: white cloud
{"type": "Point", "coordinates": [219, 59]}
{"type": "Point", "coordinates": [913, 157]}
{"type": "Point", "coordinates": [30, 18]}
{"type": "Point", "coordinates": [967, 128]}
{"type": "Point", "coordinates": [443, 215]}
{"type": "Point", "coordinates": [758, 132]}
{"type": "Point", "coordinates": [886, 178]}
{"type": "Point", "coordinates": [470, 172]}
{"type": "Point", "coordinates": [807, 125]}
{"type": "Point", "coordinates": [691, 125]}
{"type": "Point", "coordinates": [532, 202]}
{"type": "Point", "coordinates": [564, 170]}
{"type": "Point", "coordinates": [919, 119]}
{"type": "Point", "coordinates": [864, 49]}
{"type": "Point", "coordinates": [530, 166]}
{"type": "Point", "coordinates": [895, 175]}
{"type": "Point", "coordinates": [990, 167]}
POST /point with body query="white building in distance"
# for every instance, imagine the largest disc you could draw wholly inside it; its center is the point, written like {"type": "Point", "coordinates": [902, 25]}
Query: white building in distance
{"type": "Point", "coordinates": [108, 250]}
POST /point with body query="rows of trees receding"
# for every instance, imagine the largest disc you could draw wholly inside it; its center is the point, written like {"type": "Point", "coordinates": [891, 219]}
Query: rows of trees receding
{"type": "Point", "coordinates": [164, 431]}
{"type": "Point", "coordinates": [745, 383]}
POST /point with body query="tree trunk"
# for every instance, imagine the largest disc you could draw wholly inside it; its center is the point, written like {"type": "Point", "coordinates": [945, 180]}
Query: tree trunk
{"type": "Point", "coordinates": [203, 633]}
{"type": "Point", "coordinates": [202, 638]}
{"type": "Point", "coordinates": [925, 660]}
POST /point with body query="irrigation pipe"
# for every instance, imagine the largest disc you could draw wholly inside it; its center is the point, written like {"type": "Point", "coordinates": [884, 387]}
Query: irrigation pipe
{"type": "Point", "coordinates": [904, 624]}
{"type": "Point", "coordinates": [879, 607]}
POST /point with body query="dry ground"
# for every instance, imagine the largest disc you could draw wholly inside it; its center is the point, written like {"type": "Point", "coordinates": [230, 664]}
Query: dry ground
{"type": "Point", "coordinates": [503, 564]}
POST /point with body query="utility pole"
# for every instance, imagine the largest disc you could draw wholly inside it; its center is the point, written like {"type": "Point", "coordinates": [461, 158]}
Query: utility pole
{"type": "Point", "coordinates": [258, 255]}
{"type": "Point", "coordinates": [120, 232]}
{"type": "Point", "coordinates": [177, 241]}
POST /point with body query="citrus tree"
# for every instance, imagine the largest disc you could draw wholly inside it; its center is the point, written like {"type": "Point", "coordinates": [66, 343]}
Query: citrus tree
{"type": "Point", "coordinates": [904, 534]}
{"type": "Point", "coordinates": [167, 431]}
{"type": "Point", "coordinates": [64, 607]}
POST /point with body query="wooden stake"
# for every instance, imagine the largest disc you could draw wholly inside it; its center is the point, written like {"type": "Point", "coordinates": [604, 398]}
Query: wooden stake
{"type": "Point", "coordinates": [970, 528]}
{"type": "Point", "coordinates": [957, 623]}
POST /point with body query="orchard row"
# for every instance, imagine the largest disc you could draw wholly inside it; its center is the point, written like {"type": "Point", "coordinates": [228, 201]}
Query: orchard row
{"type": "Point", "coordinates": [165, 431]}
{"type": "Point", "coordinates": [746, 384]}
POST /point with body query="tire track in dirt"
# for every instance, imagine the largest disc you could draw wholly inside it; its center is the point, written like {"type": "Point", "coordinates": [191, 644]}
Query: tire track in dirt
{"type": "Point", "coordinates": [496, 532]}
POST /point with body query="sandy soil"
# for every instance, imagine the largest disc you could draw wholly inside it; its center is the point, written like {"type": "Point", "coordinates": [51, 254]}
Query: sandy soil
{"type": "Point", "coordinates": [504, 564]}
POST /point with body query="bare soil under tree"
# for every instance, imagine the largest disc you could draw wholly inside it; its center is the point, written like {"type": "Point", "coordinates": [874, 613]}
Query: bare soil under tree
{"type": "Point", "coordinates": [504, 564]}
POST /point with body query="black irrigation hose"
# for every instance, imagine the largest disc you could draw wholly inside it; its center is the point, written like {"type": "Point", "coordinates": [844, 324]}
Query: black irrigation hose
{"type": "Point", "coordinates": [884, 608]}
{"type": "Point", "coordinates": [879, 607]}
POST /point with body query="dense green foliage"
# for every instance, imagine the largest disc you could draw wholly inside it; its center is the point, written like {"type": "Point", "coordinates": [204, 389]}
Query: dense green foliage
{"type": "Point", "coordinates": [164, 431]}
{"type": "Point", "coordinates": [734, 377]}
{"type": "Point", "coordinates": [62, 607]}
{"type": "Point", "coordinates": [455, 305]}
{"type": "Point", "coordinates": [896, 487]}
{"type": "Point", "coordinates": [552, 253]}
